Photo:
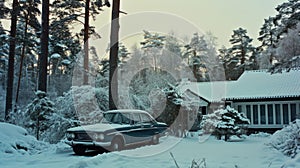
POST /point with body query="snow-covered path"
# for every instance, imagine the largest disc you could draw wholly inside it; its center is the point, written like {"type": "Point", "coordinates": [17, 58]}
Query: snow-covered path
{"type": "Point", "coordinates": [217, 154]}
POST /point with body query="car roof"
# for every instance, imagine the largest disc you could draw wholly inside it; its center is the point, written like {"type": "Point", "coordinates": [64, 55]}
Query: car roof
{"type": "Point", "coordinates": [126, 111]}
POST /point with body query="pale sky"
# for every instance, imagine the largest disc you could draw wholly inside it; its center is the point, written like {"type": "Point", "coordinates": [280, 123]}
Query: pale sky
{"type": "Point", "coordinates": [186, 17]}
{"type": "Point", "coordinates": [220, 17]}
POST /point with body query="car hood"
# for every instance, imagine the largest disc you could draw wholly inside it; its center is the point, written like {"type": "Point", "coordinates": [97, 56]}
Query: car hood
{"type": "Point", "coordinates": [162, 124]}
{"type": "Point", "coordinates": [97, 127]}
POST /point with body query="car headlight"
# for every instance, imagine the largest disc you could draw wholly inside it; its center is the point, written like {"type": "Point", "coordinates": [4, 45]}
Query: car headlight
{"type": "Point", "coordinates": [70, 136]}
{"type": "Point", "coordinates": [98, 137]}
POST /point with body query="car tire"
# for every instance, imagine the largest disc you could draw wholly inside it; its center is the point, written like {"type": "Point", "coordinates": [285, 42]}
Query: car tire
{"type": "Point", "coordinates": [155, 139]}
{"type": "Point", "coordinates": [117, 144]}
{"type": "Point", "coordinates": [79, 150]}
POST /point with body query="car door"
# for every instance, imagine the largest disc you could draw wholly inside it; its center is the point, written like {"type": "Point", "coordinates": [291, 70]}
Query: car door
{"type": "Point", "coordinates": [132, 134]}
{"type": "Point", "coordinates": [147, 127]}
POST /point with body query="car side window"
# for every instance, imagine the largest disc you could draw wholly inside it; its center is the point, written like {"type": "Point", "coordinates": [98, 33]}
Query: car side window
{"type": "Point", "coordinates": [145, 118]}
{"type": "Point", "coordinates": [126, 118]}
{"type": "Point", "coordinates": [117, 119]}
{"type": "Point", "coordinates": [136, 118]}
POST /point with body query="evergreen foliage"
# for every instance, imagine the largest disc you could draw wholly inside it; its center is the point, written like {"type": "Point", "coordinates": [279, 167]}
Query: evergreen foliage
{"type": "Point", "coordinates": [225, 122]}
{"type": "Point", "coordinates": [39, 113]}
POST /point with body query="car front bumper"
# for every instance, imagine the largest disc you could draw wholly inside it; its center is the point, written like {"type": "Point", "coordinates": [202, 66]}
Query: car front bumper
{"type": "Point", "coordinates": [88, 144]}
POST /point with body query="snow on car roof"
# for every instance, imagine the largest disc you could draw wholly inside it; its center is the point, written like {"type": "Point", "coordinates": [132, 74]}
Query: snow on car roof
{"type": "Point", "coordinates": [126, 111]}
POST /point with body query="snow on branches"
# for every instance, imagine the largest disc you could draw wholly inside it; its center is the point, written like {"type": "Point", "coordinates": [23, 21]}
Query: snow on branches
{"type": "Point", "coordinates": [226, 122]}
{"type": "Point", "coordinates": [287, 140]}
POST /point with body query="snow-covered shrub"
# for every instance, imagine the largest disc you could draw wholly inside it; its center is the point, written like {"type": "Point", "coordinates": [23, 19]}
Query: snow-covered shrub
{"type": "Point", "coordinates": [39, 112]}
{"type": "Point", "coordinates": [287, 140]}
{"type": "Point", "coordinates": [226, 122]}
{"type": "Point", "coordinates": [58, 127]}
{"type": "Point", "coordinates": [58, 121]}
{"type": "Point", "coordinates": [16, 140]}
{"type": "Point", "coordinates": [89, 103]}
{"type": "Point", "coordinates": [82, 105]}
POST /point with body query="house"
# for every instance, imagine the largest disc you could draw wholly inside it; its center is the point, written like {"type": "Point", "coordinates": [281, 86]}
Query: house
{"type": "Point", "coordinates": [270, 101]}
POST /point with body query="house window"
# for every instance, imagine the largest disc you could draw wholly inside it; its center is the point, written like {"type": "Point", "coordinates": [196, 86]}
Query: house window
{"type": "Point", "coordinates": [262, 114]}
{"type": "Point", "coordinates": [285, 108]}
{"type": "Point", "coordinates": [270, 114]}
{"type": "Point", "coordinates": [255, 114]}
{"type": "Point", "coordinates": [293, 112]}
{"type": "Point", "coordinates": [203, 109]}
{"type": "Point", "coordinates": [239, 108]}
{"type": "Point", "coordinates": [248, 112]}
{"type": "Point", "coordinates": [277, 113]}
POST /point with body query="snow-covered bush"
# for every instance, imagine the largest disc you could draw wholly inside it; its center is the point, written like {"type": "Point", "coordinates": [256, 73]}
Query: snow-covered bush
{"type": "Point", "coordinates": [16, 140]}
{"type": "Point", "coordinates": [226, 122]}
{"type": "Point", "coordinates": [287, 140]}
{"type": "Point", "coordinates": [57, 121]}
{"type": "Point", "coordinates": [82, 105]}
{"type": "Point", "coordinates": [58, 127]}
{"type": "Point", "coordinates": [89, 103]}
{"type": "Point", "coordinates": [39, 112]}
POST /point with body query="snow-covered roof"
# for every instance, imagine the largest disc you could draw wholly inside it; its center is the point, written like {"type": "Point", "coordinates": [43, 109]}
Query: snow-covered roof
{"type": "Point", "coordinates": [210, 91]}
{"type": "Point", "coordinates": [258, 84]}
{"type": "Point", "coordinates": [263, 84]}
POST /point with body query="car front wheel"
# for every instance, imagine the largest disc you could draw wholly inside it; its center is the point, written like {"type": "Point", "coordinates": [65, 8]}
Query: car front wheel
{"type": "Point", "coordinates": [79, 150]}
{"type": "Point", "coordinates": [155, 140]}
{"type": "Point", "coordinates": [117, 144]}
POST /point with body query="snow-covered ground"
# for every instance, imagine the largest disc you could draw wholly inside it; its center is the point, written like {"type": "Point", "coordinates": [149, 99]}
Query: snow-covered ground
{"type": "Point", "coordinates": [250, 152]}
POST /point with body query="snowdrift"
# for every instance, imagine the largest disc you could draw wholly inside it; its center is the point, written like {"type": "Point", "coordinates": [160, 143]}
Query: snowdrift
{"type": "Point", "coordinates": [287, 140]}
{"type": "Point", "coordinates": [15, 140]}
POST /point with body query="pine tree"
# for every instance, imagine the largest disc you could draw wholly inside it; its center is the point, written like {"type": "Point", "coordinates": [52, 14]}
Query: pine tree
{"type": "Point", "coordinates": [173, 45]}
{"type": "Point", "coordinates": [288, 51]}
{"type": "Point", "coordinates": [27, 38]}
{"type": "Point", "coordinates": [123, 53]}
{"type": "Point", "coordinates": [214, 69]}
{"type": "Point", "coordinates": [287, 19]}
{"type": "Point", "coordinates": [288, 16]}
{"type": "Point", "coordinates": [39, 112]}
{"type": "Point", "coordinates": [152, 45]}
{"type": "Point", "coordinates": [240, 53]}
{"type": "Point", "coordinates": [113, 56]}
{"type": "Point", "coordinates": [11, 59]}
{"type": "Point", "coordinates": [69, 12]}
{"type": "Point", "coordinates": [197, 55]}
{"type": "Point", "coordinates": [43, 57]}
{"type": "Point", "coordinates": [3, 51]}
{"type": "Point", "coordinates": [268, 38]}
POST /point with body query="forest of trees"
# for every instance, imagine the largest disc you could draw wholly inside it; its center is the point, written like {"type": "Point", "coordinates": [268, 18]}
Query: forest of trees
{"type": "Point", "coordinates": [22, 49]}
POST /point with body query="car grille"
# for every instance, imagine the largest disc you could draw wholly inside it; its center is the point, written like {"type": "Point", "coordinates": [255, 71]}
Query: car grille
{"type": "Point", "coordinates": [83, 137]}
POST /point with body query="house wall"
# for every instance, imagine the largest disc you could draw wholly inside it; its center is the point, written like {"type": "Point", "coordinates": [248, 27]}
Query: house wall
{"type": "Point", "coordinates": [269, 114]}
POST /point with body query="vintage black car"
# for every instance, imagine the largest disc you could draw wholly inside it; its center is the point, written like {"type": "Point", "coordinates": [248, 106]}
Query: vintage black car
{"type": "Point", "coordinates": [117, 129]}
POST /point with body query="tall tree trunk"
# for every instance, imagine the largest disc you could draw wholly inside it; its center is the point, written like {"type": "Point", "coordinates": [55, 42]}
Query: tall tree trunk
{"type": "Point", "coordinates": [113, 56]}
{"type": "Point", "coordinates": [86, 42]}
{"type": "Point", "coordinates": [11, 59]}
{"type": "Point", "coordinates": [43, 59]}
{"type": "Point", "coordinates": [22, 57]}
